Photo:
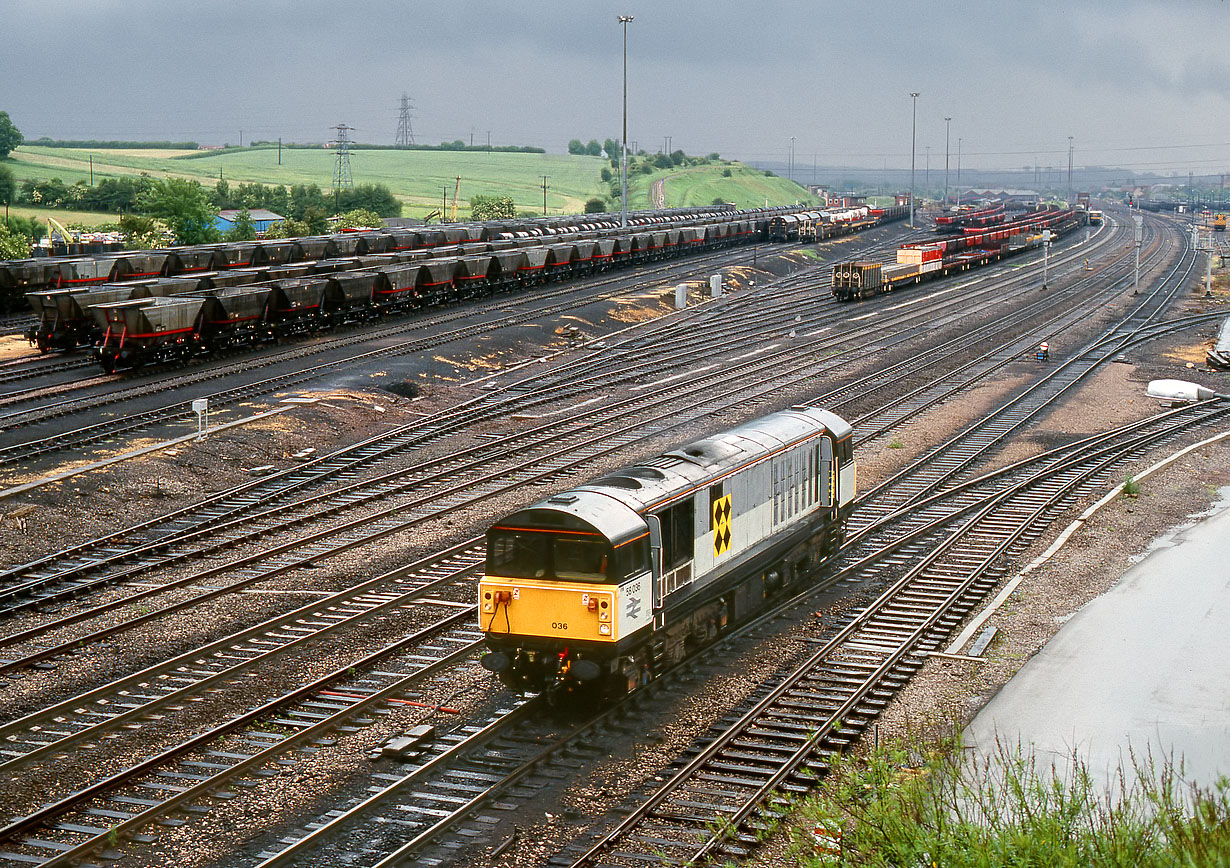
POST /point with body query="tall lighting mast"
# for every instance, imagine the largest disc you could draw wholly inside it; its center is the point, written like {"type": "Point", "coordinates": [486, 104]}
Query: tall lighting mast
{"type": "Point", "coordinates": [947, 127]}
{"type": "Point", "coordinates": [623, 141]}
{"type": "Point", "coordinates": [913, 138]}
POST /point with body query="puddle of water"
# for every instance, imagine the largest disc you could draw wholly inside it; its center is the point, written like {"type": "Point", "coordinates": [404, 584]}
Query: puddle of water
{"type": "Point", "coordinates": [1142, 669]}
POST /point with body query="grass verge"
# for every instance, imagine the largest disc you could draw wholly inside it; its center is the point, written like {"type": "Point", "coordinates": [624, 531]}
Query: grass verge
{"type": "Point", "coordinates": [924, 803]}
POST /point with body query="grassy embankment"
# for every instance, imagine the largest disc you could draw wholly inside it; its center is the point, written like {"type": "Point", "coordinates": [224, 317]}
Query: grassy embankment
{"type": "Point", "coordinates": [421, 180]}
{"type": "Point", "coordinates": [923, 802]}
{"type": "Point", "coordinates": [700, 185]}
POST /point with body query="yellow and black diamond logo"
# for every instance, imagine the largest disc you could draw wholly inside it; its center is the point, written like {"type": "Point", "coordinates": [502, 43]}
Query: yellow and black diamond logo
{"type": "Point", "coordinates": [720, 521]}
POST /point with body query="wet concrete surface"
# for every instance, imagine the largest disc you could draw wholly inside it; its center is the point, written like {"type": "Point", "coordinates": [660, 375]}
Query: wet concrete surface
{"type": "Point", "coordinates": [1143, 669]}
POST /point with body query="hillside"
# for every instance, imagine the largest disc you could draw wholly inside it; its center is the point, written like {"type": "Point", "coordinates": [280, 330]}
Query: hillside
{"type": "Point", "coordinates": [421, 180]}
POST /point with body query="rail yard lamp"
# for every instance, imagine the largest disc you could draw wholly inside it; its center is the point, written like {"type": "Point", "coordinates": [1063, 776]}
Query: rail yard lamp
{"type": "Point", "coordinates": [623, 141]}
{"type": "Point", "coordinates": [1071, 194]}
{"type": "Point", "coordinates": [959, 140]}
{"type": "Point", "coordinates": [1182, 391]}
{"type": "Point", "coordinates": [1046, 246]}
{"type": "Point", "coordinates": [947, 126]}
{"type": "Point", "coordinates": [913, 138]}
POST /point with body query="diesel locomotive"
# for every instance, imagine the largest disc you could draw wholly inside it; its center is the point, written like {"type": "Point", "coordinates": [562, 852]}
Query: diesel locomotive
{"type": "Point", "coordinates": [595, 590]}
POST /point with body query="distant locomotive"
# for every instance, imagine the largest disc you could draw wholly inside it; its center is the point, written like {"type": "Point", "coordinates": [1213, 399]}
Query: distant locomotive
{"type": "Point", "coordinates": [598, 589]}
{"type": "Point", "coordinates": [917, 262]}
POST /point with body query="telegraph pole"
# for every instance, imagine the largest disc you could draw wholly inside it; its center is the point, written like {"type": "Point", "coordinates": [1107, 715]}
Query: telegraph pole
{"type": "Point", "coordinates": [544, 195]}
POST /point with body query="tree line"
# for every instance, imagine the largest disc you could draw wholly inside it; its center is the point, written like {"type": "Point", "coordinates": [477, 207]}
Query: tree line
{"type": "Point", "coordinates": [112, 145]}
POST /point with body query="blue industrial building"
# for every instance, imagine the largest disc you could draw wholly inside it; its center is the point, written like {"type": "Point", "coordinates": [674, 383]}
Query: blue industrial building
{"type": "Point", "coordinates": [261, 219]}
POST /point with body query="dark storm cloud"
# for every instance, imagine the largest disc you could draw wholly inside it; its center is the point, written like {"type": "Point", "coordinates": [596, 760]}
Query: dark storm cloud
{"type": "Point", "coordinates": [734, 77]}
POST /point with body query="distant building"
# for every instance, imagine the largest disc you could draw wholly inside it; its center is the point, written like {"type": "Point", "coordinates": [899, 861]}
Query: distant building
{"type": "Point", "coordinates": [261, 219]}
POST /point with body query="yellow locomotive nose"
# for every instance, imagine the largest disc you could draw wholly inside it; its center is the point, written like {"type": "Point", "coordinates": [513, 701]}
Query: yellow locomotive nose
{"type": "Point", "coordinates": [538, 608]}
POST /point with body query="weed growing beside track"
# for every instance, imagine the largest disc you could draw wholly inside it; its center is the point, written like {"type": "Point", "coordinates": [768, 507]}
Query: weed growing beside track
{"type": "Point", "coordinates": [921, 802]}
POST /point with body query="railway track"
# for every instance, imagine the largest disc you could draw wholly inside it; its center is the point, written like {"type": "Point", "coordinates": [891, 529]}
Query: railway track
{"type": "Point", "coordinates": [235, 517]}
{"type": "Point", "coordinates": [16, 324]}
{"type": "Point", "coordinates": [96, 842]}
{"type": "Point", "coordinates": [944, 463]}
{"type": "Point", "coordinates": [483, 317]}
{"type": "Point", "coordinates": [53, 581]}
{"type": "Point", "coordinates": [416, 815]}
{"type": "Point", "coordinates": [718, 802]}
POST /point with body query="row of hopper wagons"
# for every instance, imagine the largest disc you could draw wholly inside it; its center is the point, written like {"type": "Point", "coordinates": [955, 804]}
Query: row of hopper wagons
{"type": "Point", "coordinates": [18, 278]}
{"type": "Point", "coordinates": [812, 226]}
{"type": "Point", "coordinates": [975, 247]}
{"type": "Point", "coordinates": [159, 320]}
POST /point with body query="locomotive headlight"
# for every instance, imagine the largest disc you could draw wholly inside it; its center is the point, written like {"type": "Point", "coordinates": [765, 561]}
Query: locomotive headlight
{"type": "Point", "coordinates": [604, 629]}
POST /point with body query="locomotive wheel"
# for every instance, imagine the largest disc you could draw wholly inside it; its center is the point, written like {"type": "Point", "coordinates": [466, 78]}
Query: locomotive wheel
{"type": "Point", "coordinates": [108, 364]}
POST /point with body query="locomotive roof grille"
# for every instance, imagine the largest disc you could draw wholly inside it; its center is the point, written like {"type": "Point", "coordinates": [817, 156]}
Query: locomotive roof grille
{"type": "Point", "coordinates": [619, 482]}
{"type": "Point", "coordinates": [645, 472]}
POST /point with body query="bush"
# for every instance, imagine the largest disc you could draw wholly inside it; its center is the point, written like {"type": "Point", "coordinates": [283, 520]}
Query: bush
{"type": "Point", "coordinates": [13, 244]}
{"type": "Point", "coordinates": [595, 205]}
{"type": "Point", "coordinates": [28, 226]}
{"type": "Point", "coordinates": [726, 173]}
{"type": "Point", "coordinates": [357, 219]}
{"type": "Point", "coordinates": [10, 136]}
{"type": "Point", "coordinates": [917, 803]}
{"type": "Point", "coordinates": [242, 229]}
{"type": "Point", "coordinates": [492, 208]}
{"type": "Point", "coordinates": [288, 228]}
{"type": "Point", "coordinates": [8, 186]}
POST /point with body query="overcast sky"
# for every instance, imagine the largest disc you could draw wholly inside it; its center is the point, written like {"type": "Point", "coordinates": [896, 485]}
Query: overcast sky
{"type": "Point", "coordinates": [1129, 80]}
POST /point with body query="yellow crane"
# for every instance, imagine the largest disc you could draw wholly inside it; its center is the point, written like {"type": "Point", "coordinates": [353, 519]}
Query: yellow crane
{"type": "Point", "coordinates": [453, 212]}
{"type": "Point", "coordinates": [54, 225]}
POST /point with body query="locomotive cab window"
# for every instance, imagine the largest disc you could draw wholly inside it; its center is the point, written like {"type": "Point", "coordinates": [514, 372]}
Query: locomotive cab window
{"type": "Point", "coordinates": [527, 554]}
{"type": "Point", "coordinates": [517, 555]}
{"type": "Point", "coordinates": [581, 558]}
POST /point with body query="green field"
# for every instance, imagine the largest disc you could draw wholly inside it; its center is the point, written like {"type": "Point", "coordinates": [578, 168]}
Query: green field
{"type": "Point", "coordinates": [701, 185]}
{"type": "Point", "coordinates": [65, 216]}
{"type": "Point", "coordinates": [421, 180]}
